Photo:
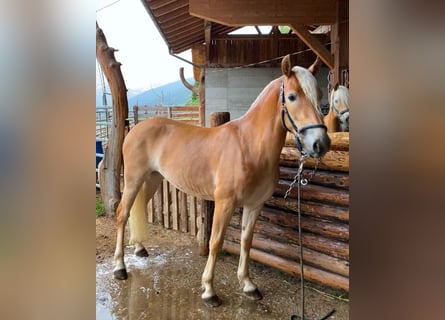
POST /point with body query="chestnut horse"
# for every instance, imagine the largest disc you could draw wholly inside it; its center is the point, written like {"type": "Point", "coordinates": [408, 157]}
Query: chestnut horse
{"type": "Point", "coordinates": [235, 164]}
{"type": "Point", "coordinates": [338, 117]}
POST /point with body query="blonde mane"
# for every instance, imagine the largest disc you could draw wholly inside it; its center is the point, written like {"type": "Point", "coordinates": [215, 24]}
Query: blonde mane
{"type": "Point", "coordinates": [309, 86]}
{"type": "Point", "coordinates": [342, 94]}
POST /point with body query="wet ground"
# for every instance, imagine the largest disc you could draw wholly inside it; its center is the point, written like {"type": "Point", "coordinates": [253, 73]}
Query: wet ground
{"type": "Point", "coordinates": [167, 284]}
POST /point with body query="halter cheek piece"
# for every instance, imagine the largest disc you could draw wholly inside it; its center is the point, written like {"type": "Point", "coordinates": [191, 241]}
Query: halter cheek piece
{"type": "Point", "coordinates": [338, 112]}
{"type": "Point", "coordinates": [284, 112]}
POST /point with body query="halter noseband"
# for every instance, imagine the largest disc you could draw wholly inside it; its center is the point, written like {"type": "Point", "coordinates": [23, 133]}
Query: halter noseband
{"type": "Point", "coordinates": [338, 112]}
{"type": "Point", "coordinates": [284, 111]}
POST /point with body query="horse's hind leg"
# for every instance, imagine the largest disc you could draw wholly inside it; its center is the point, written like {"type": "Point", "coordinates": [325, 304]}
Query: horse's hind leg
{"type": "Point", "coordinates": [138, 215]}
{"type": "Point", "coordinates": [131, 189]}
{"type": "Point", "coordinates": [248, 224]}
{"type": "Point", "coordinates": [123, 212]}
{"type": "Point", "coordinates": [221, 218]}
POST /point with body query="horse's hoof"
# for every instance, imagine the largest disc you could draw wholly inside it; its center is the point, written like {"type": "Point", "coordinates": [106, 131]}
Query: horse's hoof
{"type": "Point", "coordinates": [121, 274]}
{"type": "Point", "coordinates": [213, 302]}
{"type": "Point", "coordinates": [254, 295]}
{"type": "Point", "coordinates": [142, 253]}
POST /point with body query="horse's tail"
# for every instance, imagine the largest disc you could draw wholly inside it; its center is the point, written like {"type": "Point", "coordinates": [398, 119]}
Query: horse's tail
{"type": "Point", "coordinates": [138, 217]}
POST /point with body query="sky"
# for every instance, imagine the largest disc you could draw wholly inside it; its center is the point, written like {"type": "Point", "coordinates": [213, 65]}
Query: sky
{"type": "Point", "coordinates": [146, 62]}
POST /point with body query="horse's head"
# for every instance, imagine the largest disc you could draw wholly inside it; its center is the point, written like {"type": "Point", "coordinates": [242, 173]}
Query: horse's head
{"type": "Point", "coordinates": [301, 113]}
{"type": "Point", "coordinates": [339, 102]}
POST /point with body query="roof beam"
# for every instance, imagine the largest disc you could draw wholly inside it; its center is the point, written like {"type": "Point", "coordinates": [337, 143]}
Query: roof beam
{"type": "Point", "coordinates": [265, 12]}
{"type": "Point", "coordinates": [314, 44]}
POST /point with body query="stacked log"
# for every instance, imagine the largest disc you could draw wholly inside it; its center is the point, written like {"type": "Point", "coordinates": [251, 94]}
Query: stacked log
{"type": "Point", "coordinates": [324, 205]}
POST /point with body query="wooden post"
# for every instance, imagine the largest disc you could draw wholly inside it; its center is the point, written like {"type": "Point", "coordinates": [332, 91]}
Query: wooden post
{"type": "Point", "coordinates": [136, 114]}
{"type": "Point", "coordinates": [112, 162]}
{"type": "Point", "coordinates": [207, 207]}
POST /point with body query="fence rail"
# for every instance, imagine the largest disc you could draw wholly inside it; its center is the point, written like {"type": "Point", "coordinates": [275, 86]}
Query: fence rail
{"type": "Point", "coordinates": [187, 114]}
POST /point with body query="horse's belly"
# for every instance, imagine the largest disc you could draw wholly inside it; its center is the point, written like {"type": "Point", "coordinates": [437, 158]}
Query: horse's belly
{"type": "Point", "coordinates": [198, 186]}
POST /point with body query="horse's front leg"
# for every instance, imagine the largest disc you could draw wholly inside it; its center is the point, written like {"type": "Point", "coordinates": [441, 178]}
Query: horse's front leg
{"type": "Point", "coordinates": [221, 218]}
{"type": "Point", "coordinates": [248, 224]}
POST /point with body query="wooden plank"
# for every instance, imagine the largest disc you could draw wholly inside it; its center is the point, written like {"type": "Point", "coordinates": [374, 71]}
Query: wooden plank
{"type": "Point", "coordinates": [175, 212]}
{"type": "Point", "coordinates": [185, 114]}
{"type": "Point", "coordinates": [166, 205]}
{"type": "Point", "coordinates": [292, 267]}
{"type": "Point", "coordinates": [205, 225]}
{"type": "Point", "coordinates": [337, 230]}
{"type": "Point", "coordinates": [332, 160]}
{"type": "Point", "coordinates": [263, 12]}
{"type": "Point", "coordinates": [183, 212]}
{"type": "Point", "coordinates": [313, 43]}
{"type": "Point", "coordinates": [339, 141]}
{"type": "Point", "coordinates": [192, 215]}
{"type": "Point", "coordinates": [310, 208]}
{"type": "Point", "coordinates": [321, 177]}
{"type": "Point", "coordinates": [159, 196]}
{"type": "Point", "coordinates": [185, 108]}
{"type": "Point", "coordinates": [314, 193]}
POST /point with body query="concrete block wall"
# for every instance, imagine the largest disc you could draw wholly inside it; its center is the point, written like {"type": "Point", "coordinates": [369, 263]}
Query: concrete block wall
{"type": "Point", "coordinates": [234, 90]}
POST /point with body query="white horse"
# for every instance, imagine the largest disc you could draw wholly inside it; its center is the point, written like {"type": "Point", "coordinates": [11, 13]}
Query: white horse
{"type": "Point", "coordinates": [338, 117]}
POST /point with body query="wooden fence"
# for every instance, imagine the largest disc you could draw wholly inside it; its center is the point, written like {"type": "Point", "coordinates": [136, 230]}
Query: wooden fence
{"type": "Point", "coordinates": [174, 209]}
{"type": "Point", "coordinates": [186, 114]}
{"type": "Point", "coordinates": [324, 219]}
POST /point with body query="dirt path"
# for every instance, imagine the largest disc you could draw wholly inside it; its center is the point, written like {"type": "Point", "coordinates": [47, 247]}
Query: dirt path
{"type": "Point", "coordinates": [167, 284]}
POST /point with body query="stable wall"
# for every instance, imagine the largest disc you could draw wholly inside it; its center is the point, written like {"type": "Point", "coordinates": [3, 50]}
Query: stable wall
{"type": "Point", "coordinates": [234, 90]}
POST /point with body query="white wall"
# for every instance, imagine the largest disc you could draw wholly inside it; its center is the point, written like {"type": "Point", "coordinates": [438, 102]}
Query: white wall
{"type": "Point", "coordinates": [234, 90]}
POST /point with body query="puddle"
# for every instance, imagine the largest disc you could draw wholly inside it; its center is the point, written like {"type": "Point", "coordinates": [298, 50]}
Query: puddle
{"type": "Point", "coordinates": [167, 286]}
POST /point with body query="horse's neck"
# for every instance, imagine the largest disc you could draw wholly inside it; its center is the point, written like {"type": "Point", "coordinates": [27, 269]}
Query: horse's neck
{"type": "Point", "coordinates": [331, 121]}
{"type": "Point", "coordinates": [262, 121]}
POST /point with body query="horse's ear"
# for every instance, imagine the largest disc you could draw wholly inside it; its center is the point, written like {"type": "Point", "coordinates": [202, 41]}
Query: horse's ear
{"type": "Point", "coordinates": [315, 67]}
{"type": "Point", "coordinates": [286, 66]}
{"type": "Point", "coordinates": [336, 86]}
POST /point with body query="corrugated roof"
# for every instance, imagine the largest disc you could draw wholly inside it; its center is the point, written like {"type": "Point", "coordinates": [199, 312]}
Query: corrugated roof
{"type": "Point", "coordinates": [179, 29]}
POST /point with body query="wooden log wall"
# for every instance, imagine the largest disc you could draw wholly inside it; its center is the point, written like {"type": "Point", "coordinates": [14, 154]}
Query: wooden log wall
{"type": "Point", "coordinates": [324, 219]}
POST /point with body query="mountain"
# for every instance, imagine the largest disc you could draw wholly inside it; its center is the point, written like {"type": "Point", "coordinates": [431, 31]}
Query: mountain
{"type": "Point", "coordinates": [171, 94]}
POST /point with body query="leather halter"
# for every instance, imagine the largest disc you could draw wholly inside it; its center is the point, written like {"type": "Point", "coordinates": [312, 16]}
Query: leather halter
{"type": "Point", "coordinates": [284, 112]}
{"type": "Point", "coordinates": [338, 112]}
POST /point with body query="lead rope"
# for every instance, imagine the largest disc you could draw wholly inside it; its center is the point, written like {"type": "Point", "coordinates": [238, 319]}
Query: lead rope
{"type": "Point", "coordinates": [302, 181]}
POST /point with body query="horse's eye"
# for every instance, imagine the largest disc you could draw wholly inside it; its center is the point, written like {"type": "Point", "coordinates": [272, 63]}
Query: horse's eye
{"type": "Point", "coordinates": [292, 97]}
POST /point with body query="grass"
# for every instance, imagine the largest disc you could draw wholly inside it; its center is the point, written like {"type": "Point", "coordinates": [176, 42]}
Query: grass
{"type": "Point", "coordinates": [100, 208]}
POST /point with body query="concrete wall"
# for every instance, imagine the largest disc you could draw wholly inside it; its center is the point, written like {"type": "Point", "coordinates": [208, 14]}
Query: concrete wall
{"type": "Point", "coordinates": [234, 90]}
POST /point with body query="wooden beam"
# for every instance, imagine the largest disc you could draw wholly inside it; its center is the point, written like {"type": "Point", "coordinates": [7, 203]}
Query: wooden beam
{"type": "Point", "coordinates": [207, 38]}
{"type": "Point", "coordinates": [319, 49]}
{"type": "Point", "coordinates": [264, 12]}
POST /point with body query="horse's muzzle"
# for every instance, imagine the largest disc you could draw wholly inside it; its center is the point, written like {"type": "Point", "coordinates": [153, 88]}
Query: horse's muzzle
{"type": "Point", "coordinates": [316, 142]}
{"type": "Point", "coordinates": [321, 146]}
